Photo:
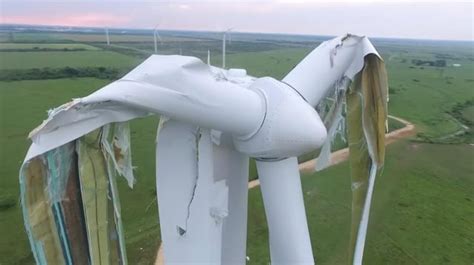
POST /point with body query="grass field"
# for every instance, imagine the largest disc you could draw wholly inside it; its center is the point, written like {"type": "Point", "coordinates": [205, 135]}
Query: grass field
{"type": "Point", "coordinates": [117, 38]}
{"type": "Point", "coordinates": [468, 114]}
{"type": "Point", "coordinates": [25, 37]}
{"type": "Point", "coordinates": [424, 94]}
{"type": "Point", "coordinates": [87, 37]}
{"type": "Point", "coordinates": [274, 63]}
{"type": "Point", "coordinates": [423, 209]}
{"type": "Point", "coordinates": [16, 60]}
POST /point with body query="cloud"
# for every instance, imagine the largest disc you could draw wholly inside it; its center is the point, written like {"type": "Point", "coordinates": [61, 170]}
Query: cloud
{"type": "Point", "coordinates": [183, 6]}
{"type": "Point", "coordinates": [89, 19]}
{"type": "Point", "coordinates": [438, 19]}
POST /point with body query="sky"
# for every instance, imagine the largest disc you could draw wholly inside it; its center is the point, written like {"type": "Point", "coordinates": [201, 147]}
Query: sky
{"type": "Point", "coordinates": [422, 19]}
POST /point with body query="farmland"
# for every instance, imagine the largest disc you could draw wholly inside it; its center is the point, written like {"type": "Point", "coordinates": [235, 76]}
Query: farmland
{"type": "Point", "coordinates": [423, 210]}
{"type": "Point", "coordinates": [16, 60]}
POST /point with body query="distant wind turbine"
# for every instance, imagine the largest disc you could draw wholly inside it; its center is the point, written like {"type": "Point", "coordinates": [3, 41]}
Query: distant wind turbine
{"type": "Point", "coordinates": [224, 35]}
{"type": "Point", "coordinates": [107, 36]}
{"type": "Point", "coordinates": [156, 36]}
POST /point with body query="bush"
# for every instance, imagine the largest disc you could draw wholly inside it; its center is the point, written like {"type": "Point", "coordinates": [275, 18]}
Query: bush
{"type": "Point", "coordinates": [436, 63]}
{"type": "Point", "coordinates": [7, 202]}
{"type": "Point", "coordinates": [38, 49]}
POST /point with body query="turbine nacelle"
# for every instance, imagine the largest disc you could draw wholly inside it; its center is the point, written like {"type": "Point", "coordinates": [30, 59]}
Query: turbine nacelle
{"type": "Point", "coordinates": [291, 127]}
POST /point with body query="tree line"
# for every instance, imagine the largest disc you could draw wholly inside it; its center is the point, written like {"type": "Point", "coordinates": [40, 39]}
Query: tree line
{"type": "Point", "coordinates": [37, 49]}
{"type": "Point", "coordinates": [64, 72]}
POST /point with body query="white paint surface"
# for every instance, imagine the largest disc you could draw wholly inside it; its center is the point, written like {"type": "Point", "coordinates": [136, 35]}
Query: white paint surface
{"type": "Point", "coordinates": [284, 207]}
{"type": "Point", "coordinates": [216, 119]}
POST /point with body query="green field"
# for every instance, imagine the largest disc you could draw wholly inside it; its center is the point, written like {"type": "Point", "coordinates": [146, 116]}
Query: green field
{"type": "Point", "coordinates": [424, 95]}
{"type": "Point", "coordinates": [423, 209]}
{"type": "Point", "coordinates": [16, 60]}
{"type": "Point", "coordinates": [25, 37]}
{"type": "Point", "coordinates": [274, 63]}
{"type": "Point", "coordinates": [30, 37]}
{"type": "Point", "coordinates": [115, 38]}
{"type": "Point", "coordinates": [468, 114]}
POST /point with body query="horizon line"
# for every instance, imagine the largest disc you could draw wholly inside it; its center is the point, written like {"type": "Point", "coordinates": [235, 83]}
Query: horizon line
{"type": "Point", "coordinates": [236, 31]}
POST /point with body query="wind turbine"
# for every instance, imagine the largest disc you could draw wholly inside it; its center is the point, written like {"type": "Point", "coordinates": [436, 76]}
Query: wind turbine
{"type": "Point", "coordinates": [224, 35]}
{"type": "Point", "coordinates": [156, 36]}
{"type": "Point", "coordinates": [208, 57]}
{"type": "Point", "coordinates": [107, 36]}
{"type": "Point", "coordinates": [212, 121]}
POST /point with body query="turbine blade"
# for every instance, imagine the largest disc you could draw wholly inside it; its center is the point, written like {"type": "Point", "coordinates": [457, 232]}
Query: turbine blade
{"type": "Point", "coordinates": [190, 200]}
{"type": "Point", "coordinates": [70, 200]}
{"type": "Point", "coordinates": [330, 62]}
{"type": "Point", "coordinates": [366, 118]}
{"type": "Point", "coordinates": [232, 166]}
{"type": "Point", "coordinates": [284, 207]}
{"type": "Point", "coordinates": [183, 88]}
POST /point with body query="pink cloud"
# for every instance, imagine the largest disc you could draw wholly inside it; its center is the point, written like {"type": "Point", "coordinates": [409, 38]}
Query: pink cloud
{"type": "Point", "coordinates": [89, 19]}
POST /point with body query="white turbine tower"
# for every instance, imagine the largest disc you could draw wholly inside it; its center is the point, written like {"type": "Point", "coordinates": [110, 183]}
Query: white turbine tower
{"type": "Point", "coordinates": [208, 57]}
{"type": "Point", "coordinates": [107, 38]}
{"type": "Point", "coordinates": [156, 37]}
{"type": "Point", "coordinates": [212, 121]}
{"type": "Point", "coordinates": [224, 36]}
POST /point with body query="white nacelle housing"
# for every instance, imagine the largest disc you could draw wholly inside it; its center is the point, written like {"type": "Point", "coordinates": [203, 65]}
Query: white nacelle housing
{"type": "Point", "coordinates": [236, 72]}
{"type": "Point", "coordinates": [291, 127]}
